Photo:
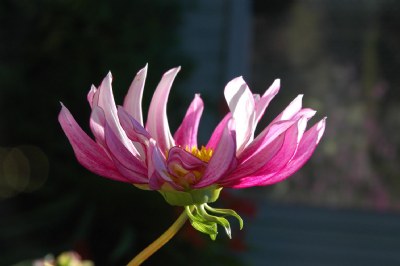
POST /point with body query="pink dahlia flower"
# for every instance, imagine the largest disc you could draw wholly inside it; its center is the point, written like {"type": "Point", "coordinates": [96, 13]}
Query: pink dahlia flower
{"type": "Point", "coordinates": [147, 154]}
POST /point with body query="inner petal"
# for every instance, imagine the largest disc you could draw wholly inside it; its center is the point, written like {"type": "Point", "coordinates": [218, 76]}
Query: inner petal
{"type": "Point", "coordinates": [187, 166]}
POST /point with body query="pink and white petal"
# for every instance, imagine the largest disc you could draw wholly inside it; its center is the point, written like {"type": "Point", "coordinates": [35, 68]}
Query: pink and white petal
{"type": "Point", "coordinates": [263, 102]}
{"type": "Point", "coordinates": [186, 134]}
{"type": "Point", "coordinates": [91, 94]}
{"type": "Point", "coordinates": [250, 166]}
{"type": "Point", "coordinates": [97, 123]}
{"type": "Point", "coordinates": [291, 110]}
{"type": "Point", "coordinates": [305, 112]}
{"type": "Point", "coordinates": [306, 148]}
{"type": "Point", "coordinates": [280, 159]}
{"type": "Point", "coordinates": [133, 99]}
{"type": "Point", "coordinates": [270, 158]}
{"type": "Point", "coordinates": [267, 136]}
{"type": "Point", "coordinates": [107, 103]}
{"type": "Point", "coordinates": [241, 104]}
{"type": "Point", "coordinates": [218, 131]}
{"type": "Point", "coordinates": [132, 167]}
{"type": "Point", "coordinates": [132, 127]}
{"type": "Point", "coordinates": [223, 159]}
{"type": "Point", "coordinates": [134, 131]}
{"type": "Point", "coordinates": [157, 121]}
{"type": "Point", "coordinates": [157, 168]}
{"type": "Point", "coordinates": [87, 151]}
{"type": "Point", "coordinates": [186, 159]}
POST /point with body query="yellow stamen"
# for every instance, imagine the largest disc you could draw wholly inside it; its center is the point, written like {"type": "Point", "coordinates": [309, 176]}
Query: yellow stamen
{"type": "Point", "coordinates": [203, 154]}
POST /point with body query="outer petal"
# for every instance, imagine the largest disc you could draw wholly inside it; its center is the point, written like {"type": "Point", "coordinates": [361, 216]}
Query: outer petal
{"type": "Point", "coordinates": [257, 154]}
{"type": "Point", "coordinates": [97, 124]}
{"type": "Point", "coordinates": [218, 131]}
{"type": "Point", "coordinates": [291, 110]}
{"type": "Point", "coordinates": [91, 94]}
{"type": "Point", "coordinates": [133, 99]}
{"type": "Point", "coordinates": [242, 106]}
{"type": "Point", "coordinates": [186, 135]}
{"type": "Point", "coordinates": [267, 136]}
{"type": "Point", "coordinates": [278, 161]}
{"type": "Point", "coordinates": [88, 152]}
{"type": "Point", "coordinates": [130, 166]}
{"type": "Point", "coordinates": [132, 128]}
{"type": "Point", "coordinates": [157, 122]}
{"type": "Point", "coordinates": [264, 101]}
{"type": "Point", "coordinates": [306, 148]}
{"type": "Point", "coordinates": [107, 103]}
{"type": "Point", "coordinates": [223, 159]}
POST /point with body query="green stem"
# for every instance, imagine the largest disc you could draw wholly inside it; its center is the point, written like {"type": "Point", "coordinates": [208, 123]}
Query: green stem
{"type": "Point", "coordinates": [160, 241]}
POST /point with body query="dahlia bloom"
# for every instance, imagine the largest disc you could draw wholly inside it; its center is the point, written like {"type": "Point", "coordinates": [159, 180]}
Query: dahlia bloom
{"type": "Point", "coordinates": [147, 154]}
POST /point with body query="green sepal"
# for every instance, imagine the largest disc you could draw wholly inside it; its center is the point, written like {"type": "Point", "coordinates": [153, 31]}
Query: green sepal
{"type": "Point", "coordinates": [226, 212]}
{"type": "Point", "coordinates": [207, 223]}
{"type": "Point", "coordinates": [191, 197]}
{"type": "Point", "coordinates": [200, 224]}
{"type": "Point", "coordinates": [219, 220]}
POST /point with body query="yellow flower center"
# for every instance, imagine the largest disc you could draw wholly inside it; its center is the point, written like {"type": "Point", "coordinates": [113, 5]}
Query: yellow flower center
{"type": "Point", "coordinates": [203, 154]}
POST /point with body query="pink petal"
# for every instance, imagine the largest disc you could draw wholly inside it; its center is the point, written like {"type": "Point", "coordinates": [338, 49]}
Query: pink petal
{"type": "Point", "coordinates": [107, 103]}
{"type": "Point", "coordinates": [97, 123]}
{"type": "Point", "coordinates": [248, 167]}
{"type": "Point", "coordinates": [304, 151]}
{"type": "Point", "coordinates": [132, 127]}
{"type": "Point", "coordinates": [157, 168]}
{"type": "Point", "coordinates": [133, 99]}
{"type": "Point", "coordinates": [134, 131]}
{"type": "Point", "coordinates": [262, 151]}
{"type": "Point", "coordinates": [187, 160]}
{"type": "Point", "coordinates": [91, 94]}
{"type": "Point", "coordinates": [218, 131]}
{"type": "Point", "coordinates": [264, 101]}
{"type": "Point", "coordinates": [88, 152]}
{"type": "Point", "coordinates": [267, 136]}
{"type": "Point", "coordinates": [223, 158]}
{"type": "Point", "coordinates": [186, 135]}
{"type": "Point", "coordinates": [278, 161]}
{"type": "Point", "coordinates": [241, 104]}
{"type": "Point", "coordinates": [130, 166]}
{"type": "Point", "coordinates": [306, 148]}
{"type": "Point", "coordinates": [157, 121]}
{"type": "Point", "coordinates": [293, 108]}
{"type": "Point", "coordinates": [305, 112]}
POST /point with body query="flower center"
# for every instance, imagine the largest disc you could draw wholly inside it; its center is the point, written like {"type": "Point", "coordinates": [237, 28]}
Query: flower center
{"type": "Point", "coordinates": [203, 154]}
{"type": "Point", "coordinates": [186, 166]}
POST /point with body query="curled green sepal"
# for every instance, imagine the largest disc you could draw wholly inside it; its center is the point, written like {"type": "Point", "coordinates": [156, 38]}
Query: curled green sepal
{"type": "Point", "coordinates": [201, 219]}
{"type": "Point", "coordinates": [201, 224]}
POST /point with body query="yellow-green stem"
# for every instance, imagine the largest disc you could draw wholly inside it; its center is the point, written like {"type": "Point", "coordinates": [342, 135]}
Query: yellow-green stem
{"type": "Point", "coordinates": [159, 242]}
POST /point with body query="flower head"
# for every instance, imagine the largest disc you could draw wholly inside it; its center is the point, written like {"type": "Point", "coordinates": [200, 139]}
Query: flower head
{"type": "Point", "coordinates": [147, 154]}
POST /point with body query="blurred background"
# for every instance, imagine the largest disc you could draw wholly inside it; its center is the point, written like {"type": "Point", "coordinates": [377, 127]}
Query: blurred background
{"type": "Point", "coordinates": [342, 208]}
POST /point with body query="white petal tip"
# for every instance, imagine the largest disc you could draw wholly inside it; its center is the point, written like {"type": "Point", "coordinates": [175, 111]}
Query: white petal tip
{"type": "Point", "coordinates": [173, 71]}
{"type": "Point", "coordinates": [321, 128]}
{"type": "Point", "coordinates": [144, 69]}
{"type": "Point", "coordinates": [109, 76]}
